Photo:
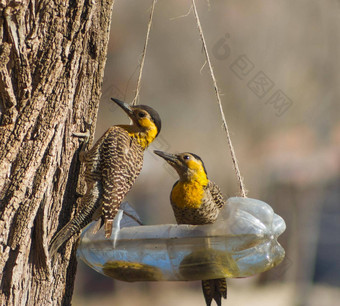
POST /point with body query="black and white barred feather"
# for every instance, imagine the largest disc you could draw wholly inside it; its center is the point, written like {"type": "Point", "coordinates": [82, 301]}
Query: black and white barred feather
{"type": "Point", "coordinates": [112, 166]}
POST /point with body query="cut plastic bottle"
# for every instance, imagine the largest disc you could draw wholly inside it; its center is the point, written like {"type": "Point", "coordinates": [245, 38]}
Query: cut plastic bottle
{"type": "Point", "coordinates": [242, 242]}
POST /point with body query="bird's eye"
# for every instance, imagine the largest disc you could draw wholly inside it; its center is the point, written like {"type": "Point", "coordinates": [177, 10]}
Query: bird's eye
{"type": "Point", "coordinates": [186, 157]}
{"type": "Point", "coordinates": [141, 114]}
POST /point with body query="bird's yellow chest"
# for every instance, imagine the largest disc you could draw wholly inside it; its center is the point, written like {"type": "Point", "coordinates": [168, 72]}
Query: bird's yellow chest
{"type": "Point", "coordinates": [144, 138]}
{"type": "Point", "coordinates": [187, 194]}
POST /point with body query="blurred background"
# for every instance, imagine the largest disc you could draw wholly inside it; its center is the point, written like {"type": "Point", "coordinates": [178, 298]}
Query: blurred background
{"type": "Point", "coordinates": [277, 66]}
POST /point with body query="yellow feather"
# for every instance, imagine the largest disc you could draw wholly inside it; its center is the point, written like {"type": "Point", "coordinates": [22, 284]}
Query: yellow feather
{"type": "Point", "coordinates": [189, 194]}
{"type": "Point", "coordinates": [197, 174]}
{"type": "Point", "coordinates": [145, 136]}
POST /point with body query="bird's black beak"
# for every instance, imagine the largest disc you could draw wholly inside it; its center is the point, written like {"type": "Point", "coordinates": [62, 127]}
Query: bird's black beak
{"type": "Point", "coordinates": [125, 106]}
{"type": "Point", "coordinates": [170, 158]}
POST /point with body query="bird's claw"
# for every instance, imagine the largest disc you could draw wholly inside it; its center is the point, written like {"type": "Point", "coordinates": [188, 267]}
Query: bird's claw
{"type": "Point", "coordinates": [85, 136]}
{"type": "Point", "coordinates": [108, 224]}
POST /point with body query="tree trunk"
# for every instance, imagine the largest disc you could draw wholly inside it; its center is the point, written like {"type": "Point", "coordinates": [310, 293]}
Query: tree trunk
{"type": "Point", "coordinates": [52, 57]}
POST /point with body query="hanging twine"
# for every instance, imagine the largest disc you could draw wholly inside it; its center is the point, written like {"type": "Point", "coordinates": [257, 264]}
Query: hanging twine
{"type": "Point", "coordinates": [225, 126]}
{"type": "Point", "coordinates": [134, 101]}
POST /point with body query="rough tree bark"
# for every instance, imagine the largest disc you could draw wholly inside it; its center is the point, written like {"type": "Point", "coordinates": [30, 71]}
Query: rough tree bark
{"type": "Point", "coordinates": [52, 57]}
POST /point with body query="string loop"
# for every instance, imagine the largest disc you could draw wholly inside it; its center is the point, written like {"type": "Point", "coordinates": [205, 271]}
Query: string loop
{"type": "Point", "coordinates": [225, 126]}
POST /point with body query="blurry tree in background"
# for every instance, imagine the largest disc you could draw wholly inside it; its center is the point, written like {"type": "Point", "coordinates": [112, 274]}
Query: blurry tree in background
{"type": "Point", "coordinates": [52, 58]}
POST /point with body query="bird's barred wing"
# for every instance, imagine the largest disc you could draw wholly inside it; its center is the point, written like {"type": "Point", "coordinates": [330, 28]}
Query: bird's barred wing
{"type": "Point", "coordinates": [216, 194]}
{"type": "Point", "coordinates": [119, 171]}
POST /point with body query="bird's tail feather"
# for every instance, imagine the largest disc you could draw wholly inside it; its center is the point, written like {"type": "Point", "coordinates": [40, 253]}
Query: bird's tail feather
{"type": "Point", "coordinates": [214, 289]}
{"type": "Point", "coordinates": [74, 226]}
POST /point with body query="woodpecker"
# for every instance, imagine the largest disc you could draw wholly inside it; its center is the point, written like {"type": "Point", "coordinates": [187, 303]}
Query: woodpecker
{"type": "Point", "coordinates": [196, 200]}
{"type": "Point", "coordinates": [111, 168]}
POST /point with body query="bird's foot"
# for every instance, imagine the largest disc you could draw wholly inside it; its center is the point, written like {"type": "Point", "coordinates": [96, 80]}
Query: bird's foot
{"type": "Point", "coordinates": [108, 224]}
{"type": "Point", "coordinates": [84, 135]}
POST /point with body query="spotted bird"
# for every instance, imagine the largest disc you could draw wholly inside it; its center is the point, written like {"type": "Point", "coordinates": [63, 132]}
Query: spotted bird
{"type": "Point", "coordinates": [196, 200]}
{"type": "Point", "coordinates": [112, 166]}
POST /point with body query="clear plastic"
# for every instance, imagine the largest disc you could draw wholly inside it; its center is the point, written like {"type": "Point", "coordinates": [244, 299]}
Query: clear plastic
{"type": "Point", "coordinates": [241, 243]}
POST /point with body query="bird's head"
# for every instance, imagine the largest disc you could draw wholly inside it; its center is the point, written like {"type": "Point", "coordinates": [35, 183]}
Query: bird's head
{"type": "Point", "coordinates": [189, 166]}
{"type": "Point", "coordinates": [146, 123]}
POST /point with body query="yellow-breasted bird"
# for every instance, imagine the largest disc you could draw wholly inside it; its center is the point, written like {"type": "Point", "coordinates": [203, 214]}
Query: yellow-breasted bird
{"type": "Point", "coordinates": [112, 166]}
{"type": "Point", "coordinates": [196, 200]}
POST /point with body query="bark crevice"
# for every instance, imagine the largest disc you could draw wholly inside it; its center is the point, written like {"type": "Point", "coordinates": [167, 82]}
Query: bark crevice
{"type": "Point", "coordinates": [52, 58]}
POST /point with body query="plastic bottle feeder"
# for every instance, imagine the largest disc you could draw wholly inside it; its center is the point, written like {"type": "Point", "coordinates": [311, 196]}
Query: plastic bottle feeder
{"type": "Point", "coordinates": [242, 242]}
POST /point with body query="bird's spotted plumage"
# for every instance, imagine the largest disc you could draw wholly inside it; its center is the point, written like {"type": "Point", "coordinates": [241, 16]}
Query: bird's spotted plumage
{"type": "Point", "coordinates": [111, 168]}
{"type": "Point", "coordinates": [196, 200]}
{"type": "Point", "coordinates": [116, 160]}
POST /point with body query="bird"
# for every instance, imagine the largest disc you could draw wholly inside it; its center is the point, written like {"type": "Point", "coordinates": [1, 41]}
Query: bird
{"type": "Point", "coordinates": [196, 200]}
{"type": "Point", "coordinates": [111, 168]}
